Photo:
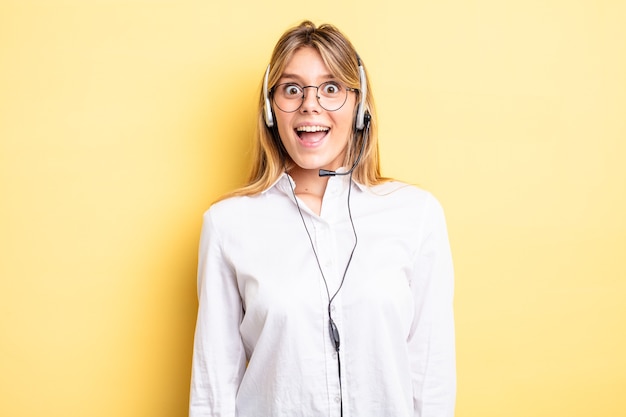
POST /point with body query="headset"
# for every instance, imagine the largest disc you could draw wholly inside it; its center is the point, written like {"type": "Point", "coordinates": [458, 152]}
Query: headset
{"type": "Point", "coordinates": [362, 116]}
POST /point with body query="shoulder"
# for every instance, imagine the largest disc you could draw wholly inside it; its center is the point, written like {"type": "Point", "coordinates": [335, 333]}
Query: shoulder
{"type": "Point", "coordinates": [404, 195]}
{"type": "Point", "coordinates": [229, 204]}
{"type": "Point", "coordinates": [231, 209]}
{"type": "Point", "coordinates": [227, 218]}
{"type": "Point", "coordinates": [250, 202]}
{"type": "Point", "coordinates": [240, 212]}
{"type": "Point", "coordinates": [406, 206]}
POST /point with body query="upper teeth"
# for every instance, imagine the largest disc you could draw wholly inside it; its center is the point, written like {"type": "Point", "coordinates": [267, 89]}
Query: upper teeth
{"type": "Point", "coordinates": [312, 129]}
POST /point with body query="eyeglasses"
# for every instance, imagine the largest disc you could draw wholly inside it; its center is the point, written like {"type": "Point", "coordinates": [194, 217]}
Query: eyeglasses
{"type": "Point", "coordinates": [331, 95]}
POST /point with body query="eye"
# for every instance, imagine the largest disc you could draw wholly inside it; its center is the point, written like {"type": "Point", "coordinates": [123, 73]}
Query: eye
{"type": "Point", "coordinates": [331, 88]}
{"type": "Point", "coordinates": [292, 90]}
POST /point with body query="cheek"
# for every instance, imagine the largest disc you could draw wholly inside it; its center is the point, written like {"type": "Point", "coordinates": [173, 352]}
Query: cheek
{"type": "Point", "coordinates": [347, 114]}
{"type": "Point", "coordinates": [284, 126]}
{"type": "Point", "coordinates": [345, 121]}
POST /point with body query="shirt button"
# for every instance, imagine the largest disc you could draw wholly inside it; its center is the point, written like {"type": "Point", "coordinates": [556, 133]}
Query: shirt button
{"type": "Point", "coordinates": [332, 308]}
{"type": "Point", "coordinates": [334, 355]}
{"type": "Point", "coordinates": [337, 400]}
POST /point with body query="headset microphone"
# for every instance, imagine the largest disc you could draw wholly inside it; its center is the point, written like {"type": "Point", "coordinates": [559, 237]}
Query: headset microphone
{"type": "Point", "coordinates": [327, 173]}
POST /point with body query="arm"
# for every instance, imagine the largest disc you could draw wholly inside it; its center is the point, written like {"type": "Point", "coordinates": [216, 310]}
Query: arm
{"type": "Point", "coordinates": [218, 353]}
{"type": "Point", "coordinates": [432, 341]}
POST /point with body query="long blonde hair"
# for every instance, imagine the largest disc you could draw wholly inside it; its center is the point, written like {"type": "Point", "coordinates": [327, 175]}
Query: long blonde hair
{"type": "Point", "coordinates": [270, 159]}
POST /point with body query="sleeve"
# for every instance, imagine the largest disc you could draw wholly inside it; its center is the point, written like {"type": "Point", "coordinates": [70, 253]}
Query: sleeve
{"type": "Point", "coordinates": [432, 341]}
{"type": "Point", "coordinates": [218, 353]}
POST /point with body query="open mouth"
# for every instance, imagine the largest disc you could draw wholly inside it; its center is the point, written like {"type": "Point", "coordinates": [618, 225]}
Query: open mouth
{"type": "Point", "coordinates": [312, 134]}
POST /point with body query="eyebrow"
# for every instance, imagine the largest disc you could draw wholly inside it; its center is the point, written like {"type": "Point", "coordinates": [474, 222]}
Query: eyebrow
{"type": "Point", "coordinates": [299, 78]}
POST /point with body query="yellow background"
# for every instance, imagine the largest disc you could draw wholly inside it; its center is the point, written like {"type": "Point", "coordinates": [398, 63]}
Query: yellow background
{"type": "Point", "coordinates": [121, 120]}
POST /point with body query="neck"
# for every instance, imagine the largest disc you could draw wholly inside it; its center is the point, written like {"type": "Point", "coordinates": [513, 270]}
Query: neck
{"type": "Point", "coordinates": [310, 187]}
{"type": "Point", "coordinates": [308, 180]}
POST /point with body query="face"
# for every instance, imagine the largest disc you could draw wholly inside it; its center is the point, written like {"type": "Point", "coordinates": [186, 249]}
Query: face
{"type": "Point", "coordinates": [314, 137]}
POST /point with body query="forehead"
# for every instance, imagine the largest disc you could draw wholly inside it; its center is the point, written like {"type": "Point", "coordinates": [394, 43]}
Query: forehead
{"type": "Point", "coordinates": [307, 64]}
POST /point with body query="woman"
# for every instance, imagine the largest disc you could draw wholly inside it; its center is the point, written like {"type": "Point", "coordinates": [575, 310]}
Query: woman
{"type": "Point", "coordinates": [324, 288]}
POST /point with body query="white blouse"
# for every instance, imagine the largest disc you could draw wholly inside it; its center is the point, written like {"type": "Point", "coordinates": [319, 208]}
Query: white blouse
{"type": "Point", "coordinates": [262, 346]}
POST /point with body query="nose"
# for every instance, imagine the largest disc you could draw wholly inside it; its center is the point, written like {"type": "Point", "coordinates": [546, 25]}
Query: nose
{"type": "Point", "coordinates": [310, 99]}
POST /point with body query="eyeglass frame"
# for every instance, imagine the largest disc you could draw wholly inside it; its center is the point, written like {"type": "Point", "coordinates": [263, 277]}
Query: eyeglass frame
{"type": "Point", "coordinates": [317, 87]}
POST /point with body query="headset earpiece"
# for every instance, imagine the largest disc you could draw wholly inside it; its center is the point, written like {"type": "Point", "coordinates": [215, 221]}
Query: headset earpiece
{"type": "Point", "coordinates": [360, 112]}
{"type": "Point", "coordinates": [269, 117]}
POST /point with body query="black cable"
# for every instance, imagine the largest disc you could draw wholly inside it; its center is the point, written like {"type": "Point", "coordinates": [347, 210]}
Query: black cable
{"type": "Point", "coordinates": [334, 332]}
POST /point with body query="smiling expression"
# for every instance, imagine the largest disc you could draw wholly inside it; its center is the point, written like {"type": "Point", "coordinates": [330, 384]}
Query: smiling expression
{"type": "Point", "coordinates": [314, 138]}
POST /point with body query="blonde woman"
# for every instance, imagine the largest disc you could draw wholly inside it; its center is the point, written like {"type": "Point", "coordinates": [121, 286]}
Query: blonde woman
{"type": "Point", "coordinates": [324, 288]}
